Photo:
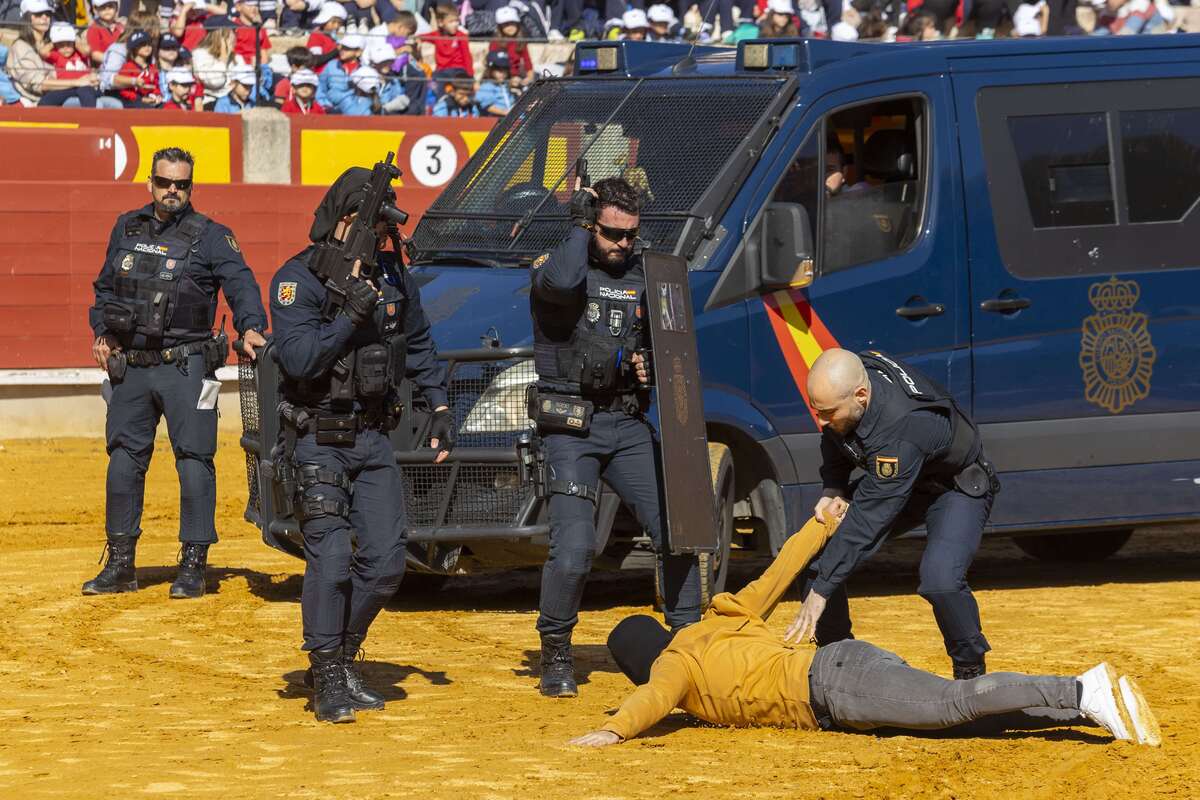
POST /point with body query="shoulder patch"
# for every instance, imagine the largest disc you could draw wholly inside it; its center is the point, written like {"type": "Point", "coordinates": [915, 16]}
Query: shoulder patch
{"type": "Point", "coordinates": [234, 245]}
{"type": "Point", "coordinates": [542, 259]}
{"type": "Point", "coordinates": [285, 295]}
{"type": "Point", "coordinates": [887, 467]}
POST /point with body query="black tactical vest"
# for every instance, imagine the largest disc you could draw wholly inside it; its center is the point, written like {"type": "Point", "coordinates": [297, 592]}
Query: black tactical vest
{"type": "Point", "coordinates": [156, 293]}
{"type": "Point", "coordinates": [588, 349]}
{"type": "Point", "coordinates": [920, 392]}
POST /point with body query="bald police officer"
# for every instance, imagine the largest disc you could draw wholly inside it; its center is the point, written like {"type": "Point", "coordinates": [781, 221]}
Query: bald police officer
{"type": "Point", "coordinates": [156, 299]}
{"type": "Point", "coordinates": [923, 462]}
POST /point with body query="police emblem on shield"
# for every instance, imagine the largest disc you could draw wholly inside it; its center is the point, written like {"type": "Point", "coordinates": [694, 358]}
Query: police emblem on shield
{"type": "Point", "coordinates": [887, 466]}
{"type": "Point", "coordinates": [286, 293]}
{"type": "Point", "coordinates": [1116, 354]}
{"type": "Point", "coordinates": [593, 312]}
{"type": "Point", "coordinates": [127, 262]}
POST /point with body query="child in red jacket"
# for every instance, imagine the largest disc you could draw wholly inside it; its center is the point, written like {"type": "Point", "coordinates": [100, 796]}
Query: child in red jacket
{"type": "Point", "coordinates": [450, 45]}
{"type": "Point", "coordinates": [67, 61]}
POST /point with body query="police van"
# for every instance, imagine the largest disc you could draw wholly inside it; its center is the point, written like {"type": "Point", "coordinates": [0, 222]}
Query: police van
{"type": "Point", "coordinates": [1016, 218]}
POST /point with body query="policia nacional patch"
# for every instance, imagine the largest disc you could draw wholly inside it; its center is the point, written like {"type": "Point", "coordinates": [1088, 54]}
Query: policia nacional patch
{"type": "Point", "coordinates": [887, 466]}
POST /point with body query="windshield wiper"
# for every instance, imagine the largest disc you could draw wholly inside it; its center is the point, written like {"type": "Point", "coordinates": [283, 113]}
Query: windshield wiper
{"type": "Point", "coordinates": [478, 261]}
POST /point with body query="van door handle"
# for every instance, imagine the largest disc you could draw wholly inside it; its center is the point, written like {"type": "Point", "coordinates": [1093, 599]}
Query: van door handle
{"type": "Point", "coordinates": [1005, 305]}
{"type": "Point", "coordinates": [921, 312]}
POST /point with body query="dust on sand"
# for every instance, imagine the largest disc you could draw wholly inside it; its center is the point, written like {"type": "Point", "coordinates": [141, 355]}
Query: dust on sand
{"type": "Point", "coordinates": [136, 695]}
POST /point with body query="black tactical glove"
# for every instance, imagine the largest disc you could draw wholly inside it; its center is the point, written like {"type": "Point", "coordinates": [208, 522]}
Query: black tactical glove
{"type": "Point", "coordinates": [583, 209]}
{"type": "Point", "coordinates": [442, 429]}
{"type": "Point", "coordinates": [361, 299]}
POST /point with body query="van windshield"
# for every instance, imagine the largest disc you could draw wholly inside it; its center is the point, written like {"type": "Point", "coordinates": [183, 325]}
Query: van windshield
{"type": "Point", "coordinates": [672, 138]}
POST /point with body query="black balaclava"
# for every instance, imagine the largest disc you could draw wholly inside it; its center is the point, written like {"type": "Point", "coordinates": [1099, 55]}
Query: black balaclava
{"type": "Point", "coordinates": [343, 198]}
{"type": "Point", "coordinates": [635, 643]}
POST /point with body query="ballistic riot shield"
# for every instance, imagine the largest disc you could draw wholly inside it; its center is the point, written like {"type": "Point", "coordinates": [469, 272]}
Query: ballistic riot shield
{"type": "Point", "coordinates": [690, 510]}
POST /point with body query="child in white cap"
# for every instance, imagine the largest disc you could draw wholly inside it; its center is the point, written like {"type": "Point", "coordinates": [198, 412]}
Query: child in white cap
{"type": "Point", "coordinates": [779, 21]}
{"type": "Point", "coordinates": [241, 92]}
{"type": "Point", "coordinates": [664, 27]}
{"type": "Point", "coordinates": [335, 78]}
{"type": "Point", "coordinates": [509, 39]}
{"type": "Point", "coordinates": [321, 42]}
{"type": "Point", "coordinates": [181, 86]}
{"type": "Point", "coordinates": [363, 98]}
{"type": "Point", "coordinates": [634, 25]}
{"type": "Point", "coordinates": [67, 61]}
{"type": "Point", "coordinates": [304, 92]}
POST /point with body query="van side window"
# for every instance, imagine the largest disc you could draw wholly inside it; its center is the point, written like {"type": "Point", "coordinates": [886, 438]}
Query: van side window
{"type": "Point", "coordinates": [1091, 177]}
{"type": "Point", "coordinates": [1065, 166]}
{"type": "Point", "coordinates": [868, 184]}
{"type": "Point", "coordinates": [1161, 151]}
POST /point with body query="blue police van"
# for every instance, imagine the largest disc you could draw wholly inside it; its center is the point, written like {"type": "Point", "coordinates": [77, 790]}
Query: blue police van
{"type": "Point", "coordinates": [1016, 218]}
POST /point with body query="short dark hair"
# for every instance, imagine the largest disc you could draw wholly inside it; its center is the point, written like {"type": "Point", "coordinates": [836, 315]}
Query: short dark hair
{"type": "Point", "coordinates": [299, 56]}
{"type": "Point", "coordinates": [618, 192]}
{"type": "Point", "coordinates": [174, 155]}
{"type": "Point", "coordinates": [407, 18]}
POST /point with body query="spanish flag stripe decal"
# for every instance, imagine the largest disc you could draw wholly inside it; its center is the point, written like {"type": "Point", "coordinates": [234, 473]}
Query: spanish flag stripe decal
{"type": "Point", "coordinates": [801, 335]}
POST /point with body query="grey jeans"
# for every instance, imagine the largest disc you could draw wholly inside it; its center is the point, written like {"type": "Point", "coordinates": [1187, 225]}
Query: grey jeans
{"type": "Point", "coordinates": [858, 686]}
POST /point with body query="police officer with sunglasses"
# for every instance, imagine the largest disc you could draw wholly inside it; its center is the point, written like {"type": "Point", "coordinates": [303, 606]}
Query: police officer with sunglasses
{"type": "Point", "coordinates": [590, 350]}
{"type": "Point", "coordinates": [156, 302]}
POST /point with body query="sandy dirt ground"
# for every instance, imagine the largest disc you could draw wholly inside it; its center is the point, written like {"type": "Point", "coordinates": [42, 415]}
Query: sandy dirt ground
{"type": "Point", "coordinates": [136, 695]}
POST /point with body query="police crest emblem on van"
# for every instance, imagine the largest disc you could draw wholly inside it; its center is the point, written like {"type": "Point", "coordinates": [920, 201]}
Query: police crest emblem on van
{"type": "Point", "coordinates": [1116, 354]}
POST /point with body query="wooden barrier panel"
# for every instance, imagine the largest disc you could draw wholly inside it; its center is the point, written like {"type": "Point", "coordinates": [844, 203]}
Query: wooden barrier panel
{"type": "Point", "coordinates": [53, 238]}
{"type": "Point", "coordinates": [133, 136]}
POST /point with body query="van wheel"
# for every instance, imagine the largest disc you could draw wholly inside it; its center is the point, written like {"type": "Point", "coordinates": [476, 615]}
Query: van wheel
{"type": "Point", "coordinates": [714, 567]}
{"type": "Point", "coordinates": [1084, 546]}
{"type": "Point", "coordinates": [417, 584]}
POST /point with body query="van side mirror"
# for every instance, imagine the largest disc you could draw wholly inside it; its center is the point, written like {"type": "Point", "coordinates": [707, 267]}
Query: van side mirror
{"type": "Point", "coordinates": [786, 247]}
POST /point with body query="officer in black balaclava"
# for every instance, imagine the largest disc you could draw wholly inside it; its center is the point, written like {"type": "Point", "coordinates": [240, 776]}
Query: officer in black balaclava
{"type": "Point", "coordinates": [156, 298]}
{"type": "Point", "coordinates": [341, 368]}
{"type": "Point", "coordinates": [588, 306]}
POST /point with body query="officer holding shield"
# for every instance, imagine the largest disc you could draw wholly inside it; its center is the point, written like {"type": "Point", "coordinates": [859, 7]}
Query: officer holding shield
{"type": "Point", "coordinates": [156, 298]}
{"type": "Point", "coordinates": [588, 306]}
{"type": "Point", "coordinates": [923, 463]}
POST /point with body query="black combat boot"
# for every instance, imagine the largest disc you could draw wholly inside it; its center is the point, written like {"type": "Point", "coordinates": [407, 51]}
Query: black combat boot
{"type": "Point", "coordinates": [331, 701]}
{"type": "Point", "coordinates": [966, 670]}
{"type": "Point", "coordinates": [558, 669]}
{"type": "Point", "coordinates": [118, 574]}
{"type": "Point", "coordinates": [189, 583]}
{"type": "Point", "coordinates": [363, 697]}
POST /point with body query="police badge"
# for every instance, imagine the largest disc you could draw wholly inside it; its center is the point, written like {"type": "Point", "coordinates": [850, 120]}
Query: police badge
{"type": "Point", "coordinates": [127, 262]}
{"type": "Point", "coordinates": [1116, 354]}
{"type": "Point", "coordinates": [887, 467]}
{"type": "Point", "coordinates": [593, 312]}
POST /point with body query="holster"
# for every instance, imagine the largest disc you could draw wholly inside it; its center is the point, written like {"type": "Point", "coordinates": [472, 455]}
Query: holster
{"type": "Point", "coordinates": [116, 365]}
{"type": "Point", "coordinates": [558, 413]}
{"type": "Point", "coordinates": [215, 352]}
{"type": "Point", "coordinates": [285, 485]}
{"type": "Point", "coordinates": [978, 479]}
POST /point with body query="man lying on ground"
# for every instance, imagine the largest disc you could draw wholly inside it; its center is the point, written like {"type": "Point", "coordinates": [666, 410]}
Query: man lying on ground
{"type": "Point", "coordinates": [730, 669]}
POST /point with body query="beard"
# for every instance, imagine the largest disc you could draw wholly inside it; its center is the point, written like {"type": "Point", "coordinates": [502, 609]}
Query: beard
{"type": "Point", "coordinates": [169, 204]}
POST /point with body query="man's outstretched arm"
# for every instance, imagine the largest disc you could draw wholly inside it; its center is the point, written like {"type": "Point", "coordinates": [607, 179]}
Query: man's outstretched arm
{"type": "Point", "coordinates": [651, 702]}
{"type": "Point", "coordinates": [762, 595]}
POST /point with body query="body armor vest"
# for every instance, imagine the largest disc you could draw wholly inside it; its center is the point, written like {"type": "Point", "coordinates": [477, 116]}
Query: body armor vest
{"type": "Point", "coordinates": [156, 296]}
{"type": "Point", "coordinates": [918, 391]}
{"type": "Point", "coordinates": [370, 372]}
{"type": "Point", "coordinates": [588, 350]}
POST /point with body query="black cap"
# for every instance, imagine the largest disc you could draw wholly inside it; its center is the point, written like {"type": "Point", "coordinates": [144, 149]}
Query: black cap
{"type": "Point", "coordinates": [499, 60]}
{"type": "Point", "coordinates": [635, 643]}
{"type": "Point", "coordinates": [168, 42]}
{"type": "Point", "coordinates": [138, 40]}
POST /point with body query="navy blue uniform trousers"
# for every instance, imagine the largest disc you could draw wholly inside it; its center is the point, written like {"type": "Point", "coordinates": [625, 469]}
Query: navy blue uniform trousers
{"type": "Point", "coordinates": [954, 525]}
{"type": "Point", "coordinates": [353, 563]}
{"type": "Point", "coordinates": [139, 401]}
{"type": "Point", "coordinates": [621, 449]}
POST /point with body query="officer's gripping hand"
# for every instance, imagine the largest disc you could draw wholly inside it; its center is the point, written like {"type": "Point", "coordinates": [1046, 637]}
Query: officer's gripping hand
{"type": "Point", "coordinates": [830, 508]}
{"type": "Point", "coordinates": [441, 433]}
{"type": "Point", "coordinates": [641, 366]}
{"type": "Point", "coordinates": [102, 348]}
{"type": "Point", "coordinates": [251, 340]}
{"type": "Point", "coordinates": [804, 627]}
{"type": "Point", "coordinates": [596, 739]}
{"type": "Point", "coordinates": [361, 299]}
{"type": "Point", "coordinates": [583, 208]}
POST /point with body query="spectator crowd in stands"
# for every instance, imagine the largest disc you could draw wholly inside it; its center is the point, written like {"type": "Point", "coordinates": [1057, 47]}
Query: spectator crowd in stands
{"type": "Point", "coordinates": [377, 57]}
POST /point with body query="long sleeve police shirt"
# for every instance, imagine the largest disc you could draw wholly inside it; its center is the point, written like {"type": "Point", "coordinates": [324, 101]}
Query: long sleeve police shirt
{"type": "Point", "coordinates": [730, 668]}
{"type": "Point", "coordinates": [895, 444]}
{"type": "Point", "coordinates": [307, 346]}
{"type": "Point", "coordinates": [217, 266]}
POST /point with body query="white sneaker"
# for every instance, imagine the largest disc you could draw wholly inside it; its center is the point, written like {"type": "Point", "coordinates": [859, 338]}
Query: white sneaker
{"type": "Point", "coordinates": [1144, 723]}
{"type": "Point", "coordinates": [1100, 702]}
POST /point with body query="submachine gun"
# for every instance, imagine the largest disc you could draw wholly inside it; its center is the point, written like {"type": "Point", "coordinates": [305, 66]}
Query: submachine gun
{"type": "Point", "coordinates": [334, 261]}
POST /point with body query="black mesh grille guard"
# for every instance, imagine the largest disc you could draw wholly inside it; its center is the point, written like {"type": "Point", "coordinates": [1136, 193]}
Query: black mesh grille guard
{"type": "Point", "coordinates": [685, 141]}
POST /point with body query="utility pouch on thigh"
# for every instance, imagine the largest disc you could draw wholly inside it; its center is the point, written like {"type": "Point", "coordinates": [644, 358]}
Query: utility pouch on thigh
{"type": "Point", "coordinates": [116, 365]}
{"type": "Point", "coordinates": [337, 430]}
{"type": "Point", "coordinates": [119, 317]}
{"type": "Point", "coordinates": [371, 367]}
{"type": "Point", "coordinates": [215, 351]}
{"type": "Point", "coordinates": [558, 413]}
{"type": "Point", "coordinates": [974, 481]}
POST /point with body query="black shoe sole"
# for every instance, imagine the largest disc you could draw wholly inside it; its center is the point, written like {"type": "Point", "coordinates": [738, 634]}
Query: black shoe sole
{"type": "Point", "coordinates": [379, 706]}
{"type": "Point", "coordinates": [558, 691]}
{"type": "Point", "coordinates": [180, 594]}
{"type": "Point", "coordinates": [120, 588]}
{"type": "Point", "coordinates": [340, 719]}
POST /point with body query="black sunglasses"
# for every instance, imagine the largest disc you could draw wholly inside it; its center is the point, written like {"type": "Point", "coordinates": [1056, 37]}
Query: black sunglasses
{"type": "Point", "coordinates": [182, 184]}
{"type": "Point", "coordinates": [618, 235]}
